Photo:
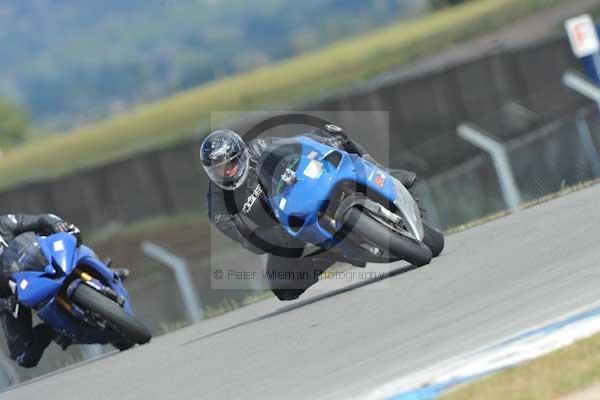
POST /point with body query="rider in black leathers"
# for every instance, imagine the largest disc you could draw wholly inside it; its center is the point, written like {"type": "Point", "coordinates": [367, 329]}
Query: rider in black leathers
{"type": "Point", "coordinates": [26, 343]}
{"type": "Point", "coordinates": [238, 208]}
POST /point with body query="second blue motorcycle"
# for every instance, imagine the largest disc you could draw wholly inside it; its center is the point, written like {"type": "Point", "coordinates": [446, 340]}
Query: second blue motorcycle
{"type": "Point", "coordinates": [72, 291]}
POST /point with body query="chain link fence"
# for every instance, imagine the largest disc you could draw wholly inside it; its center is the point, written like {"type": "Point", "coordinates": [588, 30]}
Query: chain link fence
{"type": "Point", "coordinates": [543, 161]}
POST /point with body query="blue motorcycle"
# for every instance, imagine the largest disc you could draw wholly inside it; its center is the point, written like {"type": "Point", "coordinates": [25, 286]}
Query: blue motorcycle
{"type": "Point", "coordinates": [76, 294]}
{"type": "Point", "coordinates": [337, 201]}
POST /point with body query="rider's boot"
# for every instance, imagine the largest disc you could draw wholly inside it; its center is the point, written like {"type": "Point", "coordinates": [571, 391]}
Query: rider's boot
{"type": "Point", "coordinates": [287, 294]}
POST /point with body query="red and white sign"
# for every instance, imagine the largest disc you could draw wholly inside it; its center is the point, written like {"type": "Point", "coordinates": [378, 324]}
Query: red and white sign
{"type": "Point", "coordinates": [582, 35]}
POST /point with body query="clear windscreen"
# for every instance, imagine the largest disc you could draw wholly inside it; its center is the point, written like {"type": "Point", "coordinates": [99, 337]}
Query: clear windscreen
{"type": "Point", "coordinates": [274, 163]}
{"type": "Point", "coordinates": [24, 254]}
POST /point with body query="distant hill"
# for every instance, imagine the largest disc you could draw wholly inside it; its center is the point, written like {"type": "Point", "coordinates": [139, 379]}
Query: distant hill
{"type": "Point", "coordinates": [70, 61]}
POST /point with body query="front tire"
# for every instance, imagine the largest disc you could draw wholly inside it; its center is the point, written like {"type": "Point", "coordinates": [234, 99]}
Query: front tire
{"type": "Point", "coordinates": [368, 229]}
{"type": "Point", "coordinates": [434, 239]}
{"type": "Point", "coordinates": [132, 329]}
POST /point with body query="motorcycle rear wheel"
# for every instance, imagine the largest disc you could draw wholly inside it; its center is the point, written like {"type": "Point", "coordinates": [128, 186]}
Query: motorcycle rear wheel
{"type": "Point", "coordinates": [364, 228]}
{"type": "Point", "coordinates": [132, 329]}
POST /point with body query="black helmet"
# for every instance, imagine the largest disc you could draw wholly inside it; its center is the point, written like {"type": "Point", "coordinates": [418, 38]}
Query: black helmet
{"type": "Point", "coordinates": [225, 159]}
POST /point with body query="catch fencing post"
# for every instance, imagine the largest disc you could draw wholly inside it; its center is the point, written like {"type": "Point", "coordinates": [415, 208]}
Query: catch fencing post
{"type": "Point", "coordinates": [191, 301]}
{"type": "Point", "coordinates": [583, 86]}
{"type": "Point", "coordinates": [497, 151]}
{"type": "Point", "coordinates": [585, 136]}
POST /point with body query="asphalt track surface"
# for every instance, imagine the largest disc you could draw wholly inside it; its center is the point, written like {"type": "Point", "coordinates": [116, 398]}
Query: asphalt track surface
{"type": "Point", "coordinates": [343, 340]}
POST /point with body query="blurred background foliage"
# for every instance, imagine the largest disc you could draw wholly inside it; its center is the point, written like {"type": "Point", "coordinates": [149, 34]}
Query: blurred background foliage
{"type": "Point", "coordinates": [445, 3]}
{"type": "Point", "coordinates": [157, 123]}
{"type": "Point", "coordinates": [13, 124]}
{"type": "Point", "coordinates": [71, 62]}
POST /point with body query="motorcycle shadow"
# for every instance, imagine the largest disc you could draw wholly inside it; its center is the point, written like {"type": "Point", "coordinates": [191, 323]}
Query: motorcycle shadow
{"type": "Point", "coordinates": [335, 292]}
{"type": "Point", "coordinates": [311, 300]}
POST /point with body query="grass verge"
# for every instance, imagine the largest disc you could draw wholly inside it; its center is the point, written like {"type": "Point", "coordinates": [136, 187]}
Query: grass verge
{"type": "Point", "coordinates": [549, 377]}
{"type": "Point", "coordinates": [284, 83]}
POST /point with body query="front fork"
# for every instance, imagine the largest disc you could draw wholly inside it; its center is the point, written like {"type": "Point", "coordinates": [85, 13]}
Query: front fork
{"type": "Point", "coordinates": [83, 278]}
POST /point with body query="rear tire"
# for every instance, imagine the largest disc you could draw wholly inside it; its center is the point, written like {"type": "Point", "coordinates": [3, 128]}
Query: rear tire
{"type": "Point", "coordinates": [115, 315]}
{"type": "Point", "coordinates": [434, 239]}
{"type": "Point", "coordinates": [122, 344]}
{"type": "Point", "coordinates": [367, 229]}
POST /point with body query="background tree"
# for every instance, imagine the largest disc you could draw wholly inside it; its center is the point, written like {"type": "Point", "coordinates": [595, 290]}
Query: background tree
{"type": "Point", "coordinates": [445, 3]}
{"type": "Point", "coordinates": [13, 124]}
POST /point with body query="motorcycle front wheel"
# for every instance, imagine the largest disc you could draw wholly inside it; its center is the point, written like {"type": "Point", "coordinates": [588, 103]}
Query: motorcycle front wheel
{"type": "Point", "coordinates": [366, 229]}
{"type": "Point", "coordinates": [91, 300]}
{"type": "Point", "coordinates": [434, 239]}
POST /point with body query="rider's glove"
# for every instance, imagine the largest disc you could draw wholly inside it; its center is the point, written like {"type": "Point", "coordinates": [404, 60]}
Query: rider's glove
{"type": "Point", "coordinates": [61, 226]}
{"type": "Point", "coordinates": [73, 230]}
{"type": "Point", "coordinates": [342, 141]}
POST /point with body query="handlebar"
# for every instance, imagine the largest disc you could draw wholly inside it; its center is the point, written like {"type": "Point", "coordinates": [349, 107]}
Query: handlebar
{"type": "Point", "coordinates": [76, 233]}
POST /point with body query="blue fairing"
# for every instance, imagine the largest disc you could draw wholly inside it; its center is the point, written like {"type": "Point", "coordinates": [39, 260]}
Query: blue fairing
{"type": "Point", "coordinates": [34, 287]}
{"type": "Point", "coordinates": [38, 289]}
{"type": "Point", "coordinates": [318, 174]}
{"type": "Point", "coordinates": [60, 249]}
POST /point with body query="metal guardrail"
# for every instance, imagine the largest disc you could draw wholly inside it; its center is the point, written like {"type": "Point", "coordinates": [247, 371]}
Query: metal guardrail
{"type": "Point", "coordinates": [506, 177]}
{"type": "Point", "coordinates": [185, 282]}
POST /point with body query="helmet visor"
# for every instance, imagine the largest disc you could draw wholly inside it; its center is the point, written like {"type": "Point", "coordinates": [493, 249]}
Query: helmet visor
{"type": "Point", "coordinates": [229, 169]}
{"type": "Point", "coordinates": [230, 174]}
